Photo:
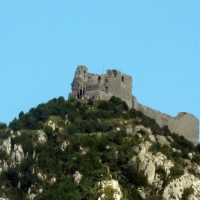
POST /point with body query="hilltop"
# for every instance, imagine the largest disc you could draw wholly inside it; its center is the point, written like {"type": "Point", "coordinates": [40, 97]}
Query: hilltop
{"type": "Point", "coordinates": [94, 150]}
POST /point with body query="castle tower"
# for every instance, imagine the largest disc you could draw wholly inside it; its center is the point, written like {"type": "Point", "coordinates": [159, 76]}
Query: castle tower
{"type": "Point", "coordinates": [102, 86]}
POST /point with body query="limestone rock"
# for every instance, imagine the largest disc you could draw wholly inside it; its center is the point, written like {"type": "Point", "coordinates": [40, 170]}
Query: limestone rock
{"type": "Point", "coordinates": [53, 180]}
{"type": "Point", "coordinates": [51, 124]}
{"type": "Point", "coordinates": [4, 166]}
{"type": "Point", "coordinates": [162, 140]}
{"type": "Point", "coordinates": [139, 128]}
{"type": "Point", "coordinates": [152, 138]}
{"type": "Point", "coordinates": [190, 155]}
{"type": "Point", "coordinates": [141, 190]}
{"type": "Point", "coordinates": [17, 153]}
{"type": "Point", "coordinates": [18, 133]}
{"type": "Point", "coordinates": [64, 145]}
{"type": "Point", "coordinates": [158, 183]}
{"type": "Point", "coordinates": [6, 146]}
{"type": "Point", "coordinates": [176, 150]}
{"type": "Point", "coordinates": [41, 176]}
{"type": "Point", "coordinates": [83, 151]}
{"type": "Point", "coordinates": [34, 153]}
{"type": "Point", "coordinates": [41, 137]}
{"type": "Point", "coordinates": [170, 139]}
{"type": "Point", "coordinates": [150, 162]}
{"type": "Point", "coordinates": [129, 129]}
{"type": "Point", "coordinates": [175, 188]}
{"type": "Point", "coordinates": [40, 190]}
{"type": "Point", "coordinates": [31, 196]}
{"type": "Point", "coordinates": [114, 185]}
{"type": "Point", "coordinates": [77, 177]}
{"type": "Point", "coordinates": [150, 172]}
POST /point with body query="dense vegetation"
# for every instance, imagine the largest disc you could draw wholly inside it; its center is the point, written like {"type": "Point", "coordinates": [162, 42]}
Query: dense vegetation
{"type": "Point", "coordinates": [95, 149]}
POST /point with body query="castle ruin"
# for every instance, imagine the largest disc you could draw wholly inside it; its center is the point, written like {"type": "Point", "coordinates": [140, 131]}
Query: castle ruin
{"type": "Point", "coordinates": [104, 86]}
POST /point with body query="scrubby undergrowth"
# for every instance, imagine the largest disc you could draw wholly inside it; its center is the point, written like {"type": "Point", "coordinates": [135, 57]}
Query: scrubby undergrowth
{"type": "Point", "coordinates": [91, 138]}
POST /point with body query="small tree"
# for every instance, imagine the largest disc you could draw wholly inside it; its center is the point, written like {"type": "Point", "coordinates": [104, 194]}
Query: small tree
{"type": "Point", "coordinates": [2, 126]}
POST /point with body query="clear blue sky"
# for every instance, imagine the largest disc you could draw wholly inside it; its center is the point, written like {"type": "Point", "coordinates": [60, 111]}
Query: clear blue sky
{"type": "Point", "coordinates": [157, 42]}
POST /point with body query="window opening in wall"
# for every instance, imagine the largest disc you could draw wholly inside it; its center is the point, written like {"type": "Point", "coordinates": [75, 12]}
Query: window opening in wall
{"type": "Point", "coordinates": [80, 94]}
{"type": "Point", "coordinates": [99, 79]}
{"type": "Point", "coordinates": [107, 89]}
{"type": "Point", "coordinates": [115, 73]}
{"type": "Point", "coordinates": [122, 79]}
{"type": "Point", "coordinates": [84, 74]}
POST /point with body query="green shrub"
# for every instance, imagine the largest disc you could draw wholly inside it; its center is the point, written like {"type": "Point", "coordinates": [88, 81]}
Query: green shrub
{"type": "Point", "coordinates": [2, 126]}
{"type": "Point", "coordinates": [135, 176]}
{"type": "Point", "coordinates": [186, 193]}
{"type": "Point", "coordinates": [166, 130]}
{"type": "Point", "coordinates": [90, 101]}
{"type": "Point", "coordinates": [177, 170]}
{"type": "Point", "coordinates": [154, 197]}
{"type": "Point", "coordinates": [106, 105]}
{"type": "Point", "coordinates": [72, 129]}
{"type": "Point", "coordinates": [115, 100]}
{"type": "Point", "coordinates": [3, 134]}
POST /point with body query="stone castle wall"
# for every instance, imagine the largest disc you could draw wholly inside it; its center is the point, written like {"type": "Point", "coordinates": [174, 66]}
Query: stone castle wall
{"type": "Point", "coordinates": [104, 86]}
{"type": "Point", "coordinates": [184, 123]}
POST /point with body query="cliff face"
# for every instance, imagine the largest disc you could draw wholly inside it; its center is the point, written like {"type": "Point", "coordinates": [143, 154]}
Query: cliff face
{"type": "Point", "coordinates": [96, 150]}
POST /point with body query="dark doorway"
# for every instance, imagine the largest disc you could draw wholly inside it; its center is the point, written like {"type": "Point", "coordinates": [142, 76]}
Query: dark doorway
{"type": "Point", "coordinates": [99, 79]}
{"type": "Point", "coordinates": [84, 74]}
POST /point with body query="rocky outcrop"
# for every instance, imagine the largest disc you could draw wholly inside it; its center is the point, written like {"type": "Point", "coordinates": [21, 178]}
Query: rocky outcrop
{"type": "Point", "coordinates": [3, 166]}
{"type": "Point", "coordinates": [162, 140]}
{"type": "Point", "coordinates": [176, 187]}
{"type": "Point", "coordinates": [140, 128]}
{"type": "Point", "coordinates": [150, 162]}
{"type": "Point", "coordinates": [6, 146]}
{"type": "Point", "coordinates": [113, 184]}
{"type": "Point", "coordinates": [64, 145]}
{"type": "Point", "coordinates": [77, 177]}
{"type": "Point", "coordinates": [51, 124]}
{"type": "Point", "coordinates": [41, 137]}
{"type": "Point", "coordinates": [17, 153]}
{"type": "Point", "coordinates": [31, 196]}
{"type": "Point", "coordinates": [41, 176]}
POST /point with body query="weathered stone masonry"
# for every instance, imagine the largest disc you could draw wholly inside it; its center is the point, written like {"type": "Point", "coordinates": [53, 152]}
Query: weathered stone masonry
{"type": "Point", "coordinates": [184, 123]}
{"type": "Point", "coordinates": [114, 82]}
{"type": "Point", "coordinates": [102, 86]}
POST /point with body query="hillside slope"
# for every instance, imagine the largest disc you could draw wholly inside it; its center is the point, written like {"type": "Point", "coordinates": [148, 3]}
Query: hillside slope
{"type": "Point", "coordinates": [94, 150]}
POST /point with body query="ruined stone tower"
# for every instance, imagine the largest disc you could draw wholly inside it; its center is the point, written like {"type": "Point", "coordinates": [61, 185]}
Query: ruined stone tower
{"type": "Point", "coordinates": [104, 86]}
